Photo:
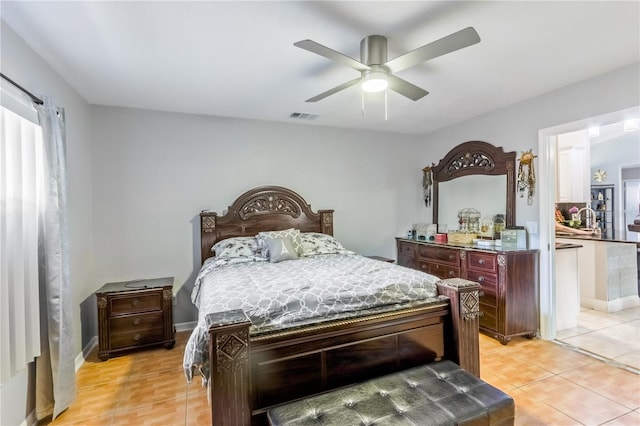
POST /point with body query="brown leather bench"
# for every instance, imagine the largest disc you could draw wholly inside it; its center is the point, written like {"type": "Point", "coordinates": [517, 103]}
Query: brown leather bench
{"type": "Point", "coordinates": [439, 393]}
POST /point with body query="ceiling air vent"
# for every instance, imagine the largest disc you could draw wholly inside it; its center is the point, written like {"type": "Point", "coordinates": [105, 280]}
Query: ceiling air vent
{"type": "Point", "coordinates": [303, 115]}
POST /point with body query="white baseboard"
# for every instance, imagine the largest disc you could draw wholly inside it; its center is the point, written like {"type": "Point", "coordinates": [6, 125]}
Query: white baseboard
{"type": "Point", "coordinates": [183, 326]}
{"type": "Point", "coordinates": [611, 305]}
{"type": "Point", "coordinates": [87, 349]}
{"type": "Point", "coordinates": [186, 326]}
{"type": "Point", "coordinates": [30, 420]}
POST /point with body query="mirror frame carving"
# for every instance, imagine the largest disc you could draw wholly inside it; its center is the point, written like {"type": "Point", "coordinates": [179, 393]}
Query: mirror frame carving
{"type": "Point", "coordinates": [477, 158]}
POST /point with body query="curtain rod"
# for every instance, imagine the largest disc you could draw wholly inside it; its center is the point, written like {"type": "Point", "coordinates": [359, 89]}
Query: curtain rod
{"type": "Point", "coordinates": [33, 97]}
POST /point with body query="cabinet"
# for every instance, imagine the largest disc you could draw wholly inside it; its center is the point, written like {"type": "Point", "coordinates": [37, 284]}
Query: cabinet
{"type": "Point", "coordinates": [573, 167]}
{"type": "Point", "coordinates": [135, 314]}
{"type": "Point", "coordinates": [602, 202]}
{"type": "Point", "coordinates": [509, 281]}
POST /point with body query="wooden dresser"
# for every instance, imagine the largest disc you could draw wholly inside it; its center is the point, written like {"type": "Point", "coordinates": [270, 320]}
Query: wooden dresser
{"type": "Point", "coordinates": [135, 314]}
{"type": "Point", "coordinates": [509, 280]}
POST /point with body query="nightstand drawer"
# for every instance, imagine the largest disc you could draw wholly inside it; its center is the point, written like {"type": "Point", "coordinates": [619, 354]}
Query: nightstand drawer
{"type": "Point", "coordinates": [135, 338]}
{"type": "Point", "coordinates": [136, 322]}
{"type": "Point", "coordinates": [134, 303]}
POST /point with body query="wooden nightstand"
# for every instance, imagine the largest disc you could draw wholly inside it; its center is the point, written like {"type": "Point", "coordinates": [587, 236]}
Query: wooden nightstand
{"type": "Point", "coordinates": [135, 314]}
{"type": "Point", "coordinates": [382, 259]}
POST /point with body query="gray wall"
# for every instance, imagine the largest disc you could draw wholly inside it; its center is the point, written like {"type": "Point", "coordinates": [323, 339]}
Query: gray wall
{"type": "Point", "coordinates": [153, 172]}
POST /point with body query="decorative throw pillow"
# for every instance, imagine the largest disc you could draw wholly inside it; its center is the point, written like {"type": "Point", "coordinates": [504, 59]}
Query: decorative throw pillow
{"type": "Point", "coordinates": [291, 232]}
{"type": "Point", "coordinates": [280, 248]}
{"type": "Point", "coordinates": [238, 247]}
{"type": "Point", "coordinates": [314, 243]}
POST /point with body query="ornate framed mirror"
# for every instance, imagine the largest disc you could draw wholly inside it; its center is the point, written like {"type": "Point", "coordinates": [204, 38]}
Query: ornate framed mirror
{"type": "Point", "coordinates": [477, 175]}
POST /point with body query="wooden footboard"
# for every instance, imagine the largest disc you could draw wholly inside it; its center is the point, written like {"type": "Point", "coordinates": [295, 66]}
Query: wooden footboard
{"type": "Point", "coordinates": [249, 374]}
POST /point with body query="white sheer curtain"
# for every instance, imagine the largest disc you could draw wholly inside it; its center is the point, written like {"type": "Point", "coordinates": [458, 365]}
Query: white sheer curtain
{"type": "Point", "coordinates": [55, 368]}
{"type": "Point", "coordinates": [21, 179]}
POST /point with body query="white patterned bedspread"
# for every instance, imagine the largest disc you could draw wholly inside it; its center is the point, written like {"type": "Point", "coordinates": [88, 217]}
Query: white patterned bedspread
{"type": "Point", "coordinates": [324, 285]}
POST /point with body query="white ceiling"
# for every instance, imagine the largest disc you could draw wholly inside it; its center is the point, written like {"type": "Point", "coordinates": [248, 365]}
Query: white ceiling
{"type": "Point", "coordinates": [237, 59]}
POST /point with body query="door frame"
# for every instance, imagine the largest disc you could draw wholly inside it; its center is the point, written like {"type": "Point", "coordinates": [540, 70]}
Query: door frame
{"type": "Point", "coordinates": [547, 182]}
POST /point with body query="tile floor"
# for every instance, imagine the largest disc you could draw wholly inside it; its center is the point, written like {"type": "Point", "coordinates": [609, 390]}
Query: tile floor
{"type": "Point", "coordinates": [551, 385]}
{"type": "Point", "coordinates": [614, 336]}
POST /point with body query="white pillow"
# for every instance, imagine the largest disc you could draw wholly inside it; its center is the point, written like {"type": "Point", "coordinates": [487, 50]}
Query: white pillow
{"type": "Point", "coordinates": [238, 247]}
{"type": "Point", "coordinates": [314, 243]}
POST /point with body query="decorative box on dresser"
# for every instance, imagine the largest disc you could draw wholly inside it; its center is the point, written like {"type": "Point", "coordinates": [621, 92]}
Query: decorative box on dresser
{"type": "Point", "coordinates": [509, 280]}
{"type": "Point", "coordinates": [135, 314]}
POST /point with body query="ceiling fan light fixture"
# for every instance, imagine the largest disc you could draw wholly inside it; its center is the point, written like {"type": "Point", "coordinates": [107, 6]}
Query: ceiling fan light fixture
{"type": "Point", "coordinates": [374, 81]}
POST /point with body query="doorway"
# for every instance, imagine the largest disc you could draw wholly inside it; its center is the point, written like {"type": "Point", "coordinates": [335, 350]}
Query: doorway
{"type": "Point", "coordinates": [548, 149]}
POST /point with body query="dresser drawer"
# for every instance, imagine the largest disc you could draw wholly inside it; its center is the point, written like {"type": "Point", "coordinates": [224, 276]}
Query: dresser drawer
{"type": "Point", "coordinates": [406, 249]}
{"type": "Point", "coordinates": [485, 279]}
{"type": "Point", "coordinates": [488, 319]}
{"type": "Point", "coordinates": [136, 322]}
{"type": "Point", "coordinates": [451, 257]}
{"type": "Point", "coordinates": [482, 261]}
{"type": "Point", "coordinates": [439, 270]}
{"type": "Point", "coordinates": [409, 262]}
{"type": "Point", "coordinates": [135, 338]}
{"type": "Point", "coordinates": [134, 303]}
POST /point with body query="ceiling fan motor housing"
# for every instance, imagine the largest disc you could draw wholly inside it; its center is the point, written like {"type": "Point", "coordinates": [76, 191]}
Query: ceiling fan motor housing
{"type": "Point", "coordinates": [373, 50]}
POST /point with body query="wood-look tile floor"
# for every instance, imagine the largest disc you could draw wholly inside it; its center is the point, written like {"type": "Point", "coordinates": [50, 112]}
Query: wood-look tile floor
{"type": "Point", "coordinates": [551, 385]}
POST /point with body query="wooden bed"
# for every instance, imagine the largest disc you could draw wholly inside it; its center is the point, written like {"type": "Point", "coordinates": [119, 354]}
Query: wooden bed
{"type": "Point", "coordinates": [250, 373]}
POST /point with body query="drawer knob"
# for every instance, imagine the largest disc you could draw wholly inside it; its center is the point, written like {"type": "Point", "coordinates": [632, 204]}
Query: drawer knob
{"type": "Point", "coordinates": [481, 261]}
{"type": "Point", "coordinates": [136, 337]}
{"type": "Point", "coordinates": [481, 293]}
{"type": "Point", "coordinates": [135, 302]}
{"type": "Point", "coordinates": [451, 257]}
{"type": "Point", "coordinates": [480, 278]}
{"type": "Point", "coordinates": [136, 321]}
{"type": "Point", "coordinates": [451, 273]}
{"type": "Point", "coordinates": [423, 266]}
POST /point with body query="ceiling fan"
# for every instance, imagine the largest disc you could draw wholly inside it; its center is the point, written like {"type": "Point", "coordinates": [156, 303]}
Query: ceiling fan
{"type": "Point", "coordinates": [377, 73]}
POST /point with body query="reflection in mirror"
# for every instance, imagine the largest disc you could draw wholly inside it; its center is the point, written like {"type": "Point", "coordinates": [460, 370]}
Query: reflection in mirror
{"type": "Point", "coordinates": [486, 194]}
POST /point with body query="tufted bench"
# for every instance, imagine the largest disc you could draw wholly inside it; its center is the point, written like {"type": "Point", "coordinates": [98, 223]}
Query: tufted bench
{"type": "Point", "coordinates": [439, 393]}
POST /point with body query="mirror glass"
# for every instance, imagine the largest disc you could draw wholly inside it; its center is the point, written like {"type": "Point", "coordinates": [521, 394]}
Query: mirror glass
{"type": "Point", "coordinates": [485, 193]}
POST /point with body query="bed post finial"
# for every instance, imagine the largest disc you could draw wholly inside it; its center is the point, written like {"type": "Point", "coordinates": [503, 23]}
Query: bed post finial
{"type": "Point", "coordinates": [326, 221]}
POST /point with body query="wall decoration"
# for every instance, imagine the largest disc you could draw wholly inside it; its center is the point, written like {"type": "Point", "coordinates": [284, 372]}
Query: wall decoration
{"type": "Point", "coordinates": [427, 181]}
{"type": "Point", "coordinates": [527, 176]}
{"type": "Point", "coordinates": [600, 176]}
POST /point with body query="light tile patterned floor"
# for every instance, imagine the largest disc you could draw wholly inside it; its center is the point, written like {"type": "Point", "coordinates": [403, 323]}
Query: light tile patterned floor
{"type": "Point", "coordinates": [551, 385]}
{"type": "Point", "coordinates": [614, 336]}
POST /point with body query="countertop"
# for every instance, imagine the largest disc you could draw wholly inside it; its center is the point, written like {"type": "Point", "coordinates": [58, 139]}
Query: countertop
{"type": "Point", "coordinates": [593, 238]}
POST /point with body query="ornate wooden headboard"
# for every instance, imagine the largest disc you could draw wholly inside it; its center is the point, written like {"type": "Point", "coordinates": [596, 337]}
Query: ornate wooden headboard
{"type": "Point", "coordinates": [266, 208]}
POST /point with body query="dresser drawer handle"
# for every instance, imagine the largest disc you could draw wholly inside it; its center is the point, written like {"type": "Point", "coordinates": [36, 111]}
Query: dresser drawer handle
{"type": "Point", "coordinates": [423, 266]}
{"type": "Point", "coordinates": [451, 257]}
{"type": "Point", "coordinates": [136, 337]}
{"type": "Point", "coordinates": [136, 321]}
{"type": "Point", "coordinates": [480, 278]}
{"type": "Point", "coordinates": [135, 302]}
{"type": "Point", "coordinates": [452, 273]}
{"type": "Point", "coordinates": [481, 293]}
{"type": "Point", "coordinates": [481, 262]}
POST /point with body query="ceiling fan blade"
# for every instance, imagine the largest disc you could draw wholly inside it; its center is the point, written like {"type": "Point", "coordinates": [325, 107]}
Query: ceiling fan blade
{"type": "Point", "coordinates": [450, 43]}
{"type": "Point", "coordinates": [334, 90]}
{"type": "Point", "coordinates": [321, 50]}
{"type": "Point", "coordinates": [405, 88]}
